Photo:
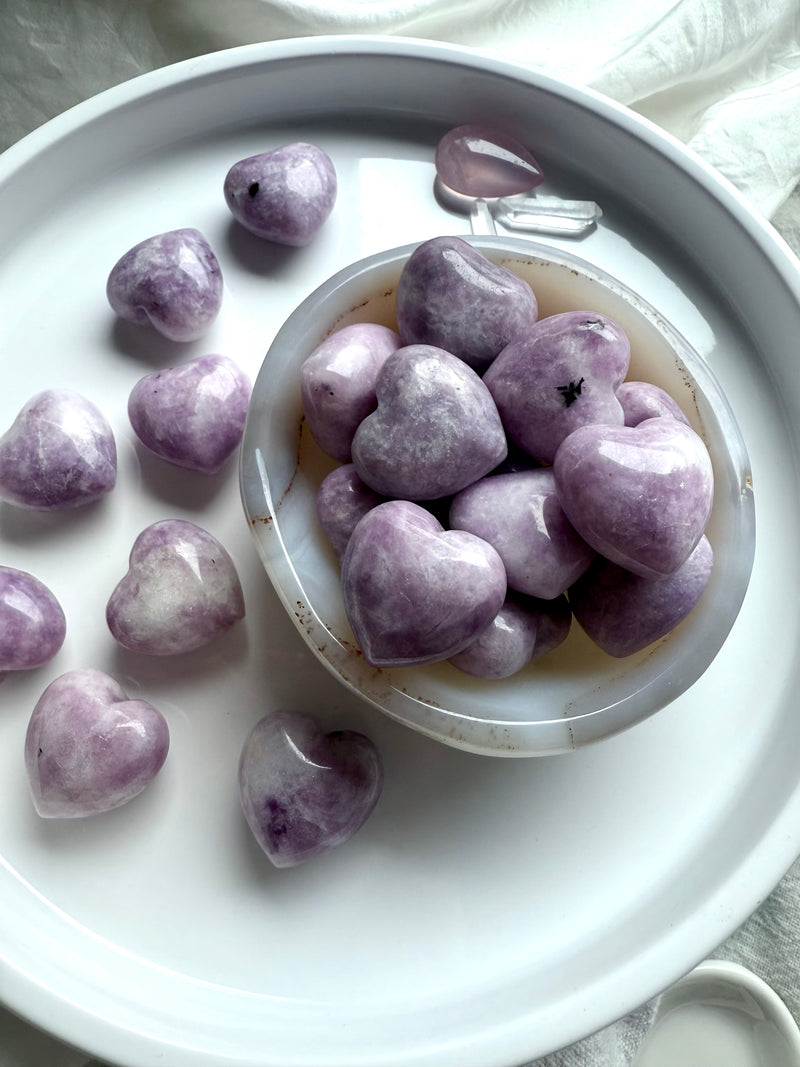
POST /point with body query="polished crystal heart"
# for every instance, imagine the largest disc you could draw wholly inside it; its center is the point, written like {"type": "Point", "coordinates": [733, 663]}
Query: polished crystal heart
{"type": "Point", "coordinates": [562, 374]}
{"type": "Point", "coordinates": [519, 514]}
{"type": "Point", "coordinates": [32, 622]}
{"type": "Point", "coordinates": [304, 791]}
{"type": "Point", "coordinates": [88, 748]}
{"type": "Point", "coordinates": [436, 428]}
{"type": "Point", "coordinates": [181, 591]}
{"type": "Point", "coordinates": [523, 630]}
{"type": "Point", "coordinates": [59, 452]}
{"type": "Point", "coordinates": [192, 415]}
{"type": "Point", "coordinates": [623, 612]}
{"type": "Point", "coordinates": [415, 592]}
{"type": "Point", "coordinates": [452, 296]}
{"type": "Point", "coordinates": [171, 281]}
{"type": "Point", "coordinates": [283, 195]}
{"type": "Point", "coordinates": [480, 161]}
{"type": "Point", "coordinates": [640, 496]}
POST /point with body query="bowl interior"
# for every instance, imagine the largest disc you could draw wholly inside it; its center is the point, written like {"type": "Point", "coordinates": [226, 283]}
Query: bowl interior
{"type": "Point", "coordinates": [577, 694]}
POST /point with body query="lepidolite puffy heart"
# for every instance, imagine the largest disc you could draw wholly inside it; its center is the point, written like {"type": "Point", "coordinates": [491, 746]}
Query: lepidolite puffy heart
{"type": "Point", "coordinates": [640, 496]}
{"type": "Point", "coordinates": [436, 428]}
{"type": "Point", "coordinates": [415, 592]}
{"type": "Point", "coordinates": [181, 591]}
{"type": "Point", "coordinates": [563, 373]}
{"type": "Point", "coordinates": [192, 415]}
{"type": "Point", "coordinates": [623, 613]}
{"type": "Point", "coordinates": [451, 296]}
{"type": "Point", "coordinates": [520, 515]}
{"type": "Point", "coordinates": [303, 791]}
{"type": "Point", "coordinates": [59, 452]}
{"type": "Point", "coordinates": [88, 748]}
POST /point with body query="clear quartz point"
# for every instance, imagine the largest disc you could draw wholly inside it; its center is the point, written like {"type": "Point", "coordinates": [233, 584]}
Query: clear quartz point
{"type": "Point", "coordinates": [524, 213]}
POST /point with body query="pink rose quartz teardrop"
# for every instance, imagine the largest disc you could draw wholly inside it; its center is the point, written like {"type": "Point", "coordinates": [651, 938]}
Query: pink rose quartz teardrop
{"type": "Point", "coordinates": [478, 161]}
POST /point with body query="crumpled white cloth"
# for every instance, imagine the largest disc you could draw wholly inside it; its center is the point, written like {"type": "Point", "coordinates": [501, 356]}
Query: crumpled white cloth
{"type": "Point", "coordinates": [721, 75]}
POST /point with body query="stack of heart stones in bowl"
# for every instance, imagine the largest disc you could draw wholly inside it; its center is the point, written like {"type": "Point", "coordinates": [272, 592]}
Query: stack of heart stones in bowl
{"type": "Point", "coordinates": [499, 476]}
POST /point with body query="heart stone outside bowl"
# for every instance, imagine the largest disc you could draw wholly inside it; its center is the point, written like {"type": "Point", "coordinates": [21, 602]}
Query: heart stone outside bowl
{"type": "Point", "coordinates": [577, 694]}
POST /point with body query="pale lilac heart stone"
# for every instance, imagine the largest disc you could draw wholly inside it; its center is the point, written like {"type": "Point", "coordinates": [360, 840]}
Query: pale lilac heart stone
{"type": "Point", "coordinates": [523, 630]}
{"type": "Point", "coordinates": [337, 383]}
{"type": "Point", "coordinates": [644, 400]}
{"type": "Point", "coordinates": [304, 791]}
{"type": "Point", "coordinates": [283, 195]}
{"type": "Point", "coordinates": [192, 415]}
{"type": "Point", "coordinates": [623, 612]}
{"type": "Point", "coordinates": [181, 591]}
{"type": "Point", "coordinates": [415, 592]}
{"type": "Point", "coordinates": [640, 496]}
{"type": "Point", "coordinates": [171, 281]}
{"type": "Point", "coordinates": [562, 374]}
{"type": "Point", "coordinates": [451, 296]}
{"type": "Point", "coordinates": [436, 428]}
{"type": "Point", "coordinates": [342, 500]}
{"type": "Point", "coordinates": [519, 514]}
{"type": "Point", "coordinates": [59, 452]}
{"type": "Point", "coordinates": [90, 749]}
{"type": "Point", "coordinates": [32, 622]}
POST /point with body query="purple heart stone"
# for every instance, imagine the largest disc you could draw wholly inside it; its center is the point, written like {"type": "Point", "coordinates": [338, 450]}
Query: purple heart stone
{"type": "Point", "coordinates": [303, 791]}
{"type": "Point", "coordinates": [436, 428]}
{"type": "Point", "coordinates": [59, 452]}
{"type": "Point", "coordinates": [88, 748]}
{"type": "Point", "coordinates": [451, 296]}
{"type": "Point", "coordinates": [640, 496]}
{"type": "Point", "coordinates": [283, 195]}
{"type": "Point", "coordinates": [192, 415]}
{"type": "Point", "coordinates": [523, 630]}
{"type": "Point", "coordinates": [644, 400]}
{"type": "Point", "coordinates": [415, 592]}
{"type": "Point", "coordinates": [623, 612]}
{"type": "Point", "coordinates": [32, 622]}
{"type": "Point", "coordinates": [343, 499]}
{"type": "Point", "coordinates": [562, 374]}
{"type": "Point", "coordinates": [519, 514]}
{"type": "Point", "coordinates": [337, 383]}
{"type": "Point", "coordinates": [171, 281]}
{"type": "Point", "coordinates": [181, 591]}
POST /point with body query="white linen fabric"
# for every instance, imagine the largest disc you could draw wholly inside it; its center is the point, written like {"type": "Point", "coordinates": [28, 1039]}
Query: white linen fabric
{"type": "Point", "coordinates": [721, 75]}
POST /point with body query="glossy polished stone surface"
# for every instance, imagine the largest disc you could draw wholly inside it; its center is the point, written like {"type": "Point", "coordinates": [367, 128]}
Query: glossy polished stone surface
{"type": "Point", "coordinates": [479, 161]}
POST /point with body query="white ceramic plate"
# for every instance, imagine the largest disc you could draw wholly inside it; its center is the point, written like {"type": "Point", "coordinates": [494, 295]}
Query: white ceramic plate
{"type": "Point", "coordinates": [490, 910]}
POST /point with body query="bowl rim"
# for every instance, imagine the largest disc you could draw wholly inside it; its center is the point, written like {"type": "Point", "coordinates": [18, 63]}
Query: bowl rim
{"type": "Point", "coordinates": [506, 737]}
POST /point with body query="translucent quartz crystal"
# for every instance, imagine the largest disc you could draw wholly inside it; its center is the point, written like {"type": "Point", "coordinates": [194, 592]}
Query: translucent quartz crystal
{"type": "Point", "coordinates": [479, 161]}
{"type": "Point", "coordinates": [88, 748]}
{"type": "Point", "coordinates": [303, 791]}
